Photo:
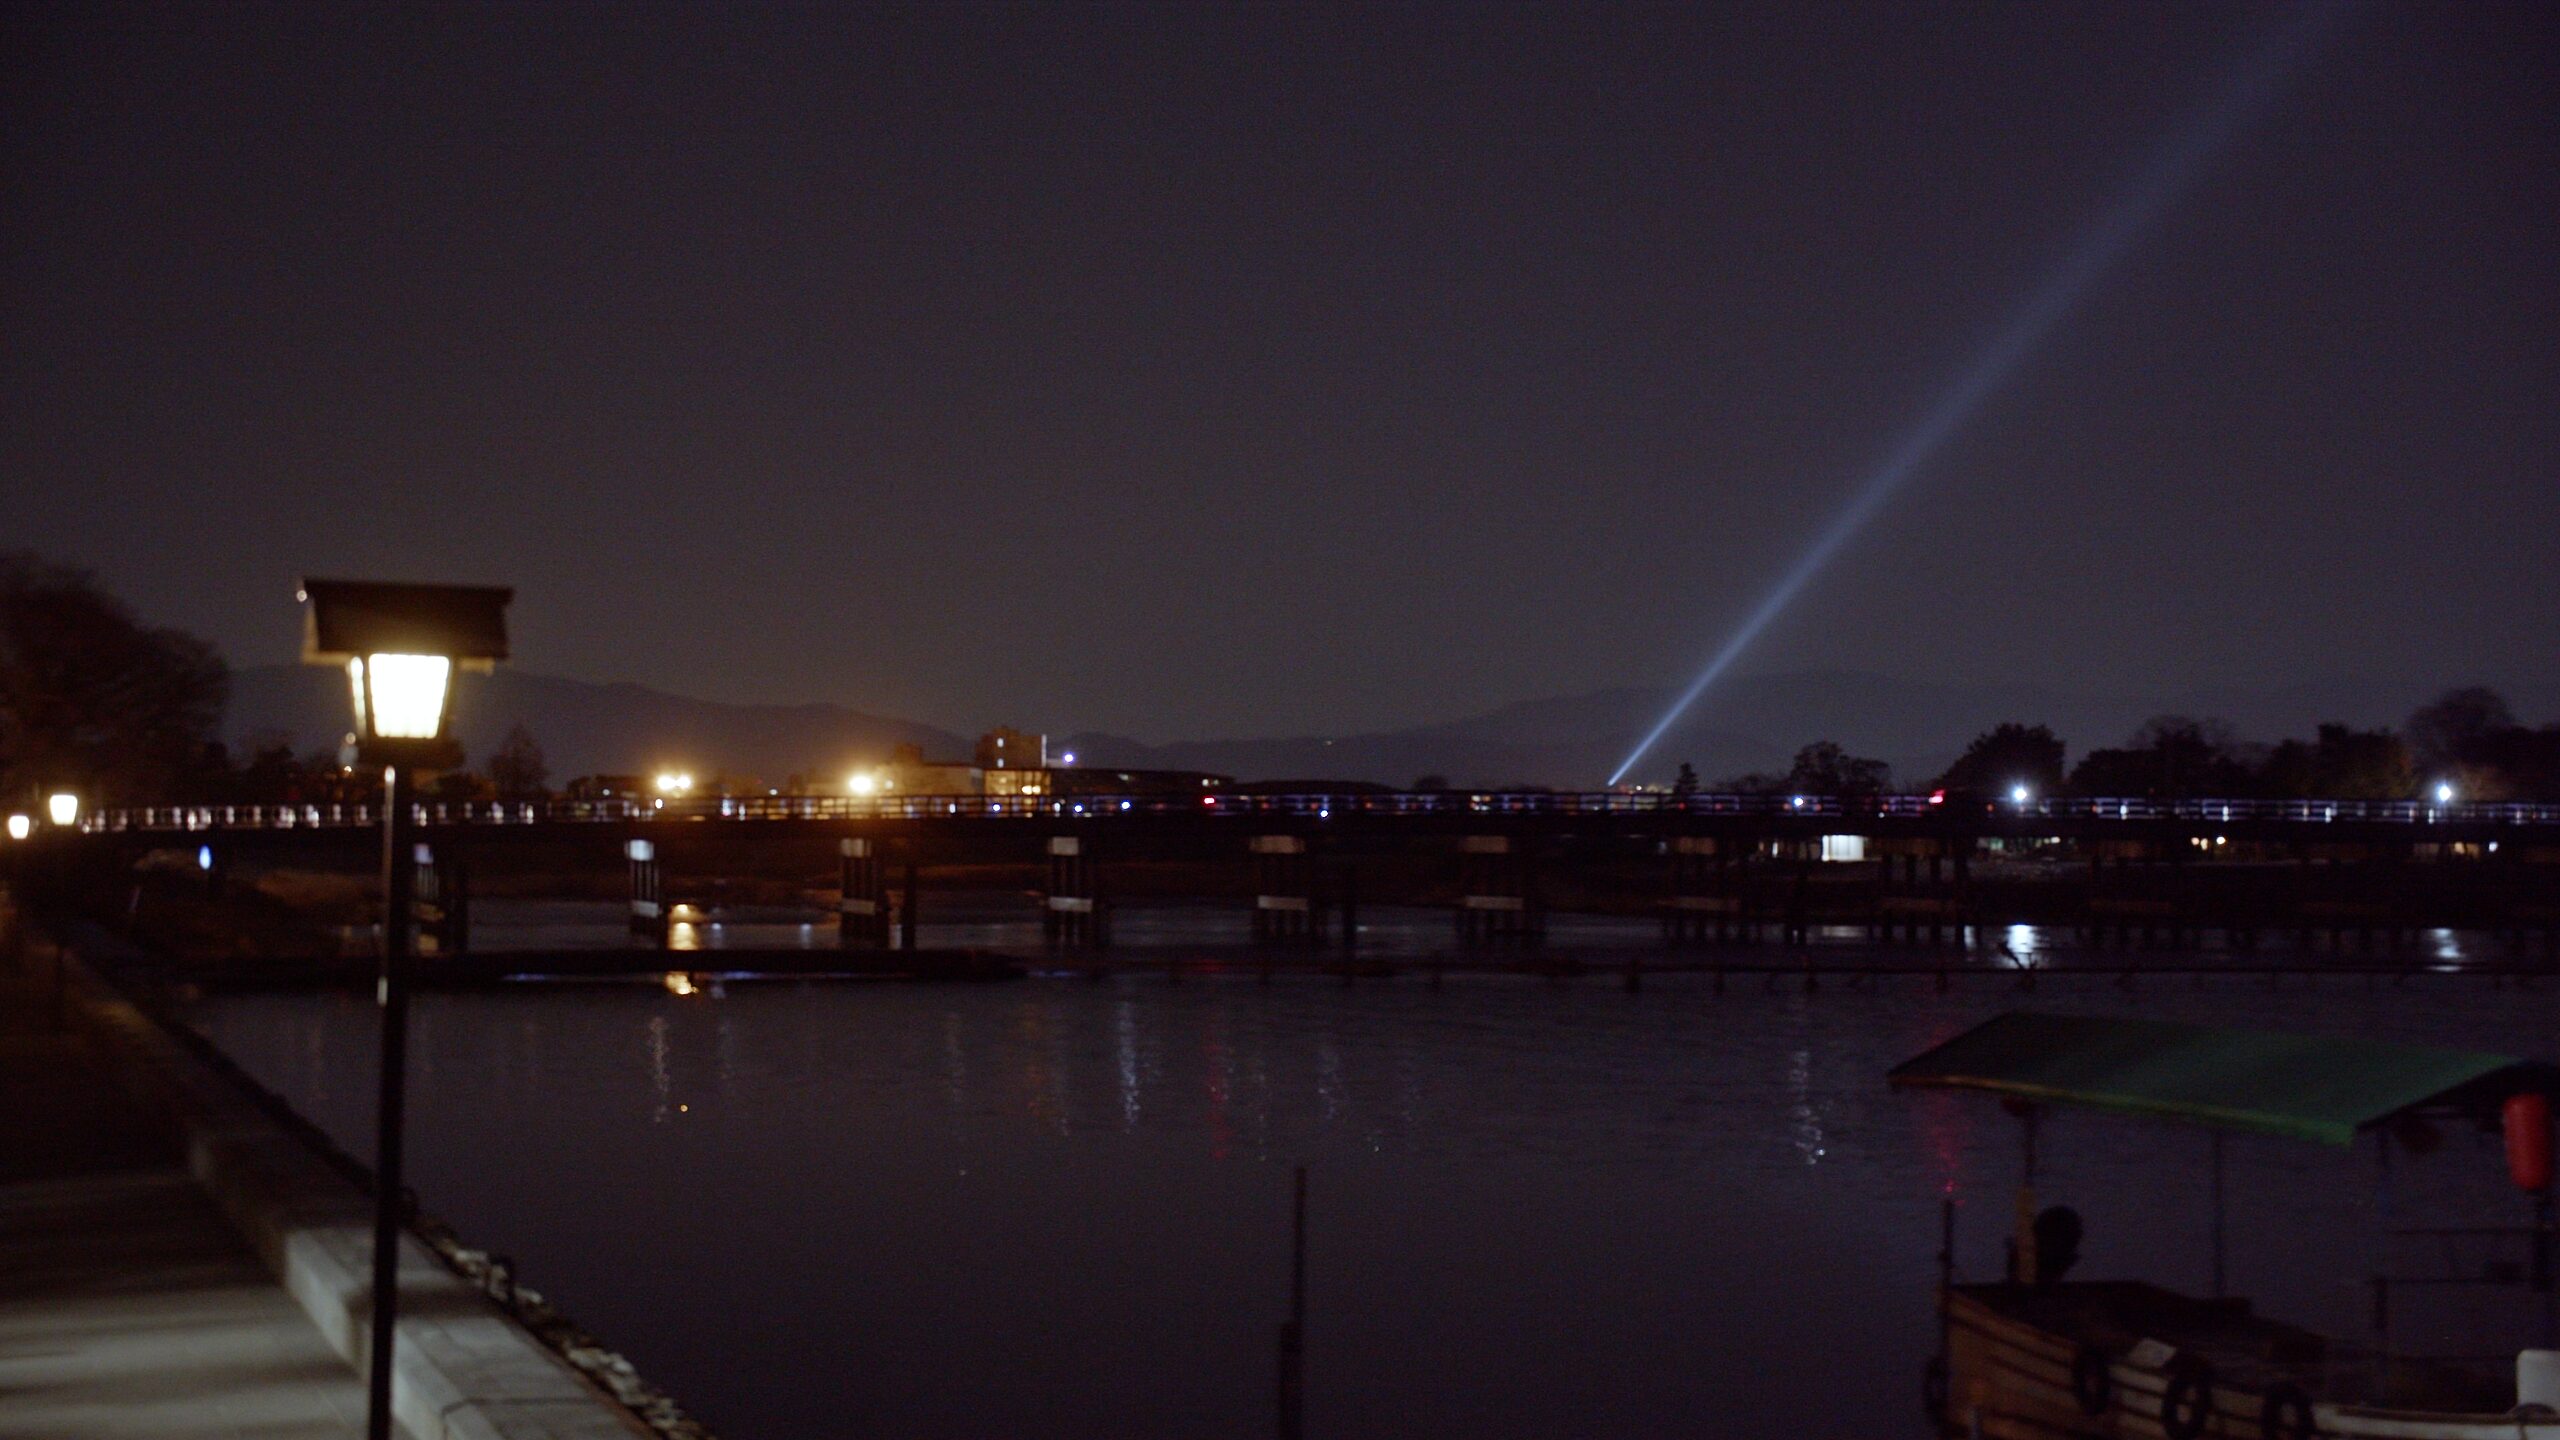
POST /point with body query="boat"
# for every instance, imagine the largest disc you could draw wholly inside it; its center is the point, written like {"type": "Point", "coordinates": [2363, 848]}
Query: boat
{"type": "Point", "coordinates": [2033, 1355]}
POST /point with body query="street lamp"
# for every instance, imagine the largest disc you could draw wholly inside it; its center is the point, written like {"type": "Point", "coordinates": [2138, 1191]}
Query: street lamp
{"type": "Point", "coordinates": [21, 826]}
{"type": "Point", "coordinates": [62, 808]}
{"type": "Point", "coordinates": [400, 645]}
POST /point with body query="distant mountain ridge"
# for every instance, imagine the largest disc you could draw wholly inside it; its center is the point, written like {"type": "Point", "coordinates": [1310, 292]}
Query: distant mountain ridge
{"type": "Point", "coordinates": [1748, 723]}
{"type": "Point", "coordinates": [590, 729]}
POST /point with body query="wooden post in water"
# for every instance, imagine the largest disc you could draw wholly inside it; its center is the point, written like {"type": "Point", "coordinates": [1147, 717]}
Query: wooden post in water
{"type": "Point", "coordinates": [1293, 1331]}
{"type": "Point", "coordinates": [2218, 1268]}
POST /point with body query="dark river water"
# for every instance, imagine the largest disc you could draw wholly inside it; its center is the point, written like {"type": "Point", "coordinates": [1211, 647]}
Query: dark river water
{"type": "Point", "coordinates": [1061, 1207]}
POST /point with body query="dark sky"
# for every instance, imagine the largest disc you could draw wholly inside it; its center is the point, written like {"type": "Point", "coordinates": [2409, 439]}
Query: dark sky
{"type": "Point", "coordinates": [1197, 370]}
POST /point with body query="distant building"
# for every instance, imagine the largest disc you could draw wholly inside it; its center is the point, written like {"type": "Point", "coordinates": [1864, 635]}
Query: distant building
{"type": "Point", "coordinates": [909, 773]}
{"type": "Point", "coordinates": [1005, 748]}
{"type": "Point", "coordinates": [1102, 780]}
{"type": "Point", "coordinates": [1012, 763]}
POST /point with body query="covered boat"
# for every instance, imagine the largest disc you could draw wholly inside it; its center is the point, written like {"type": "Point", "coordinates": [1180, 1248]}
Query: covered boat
{"type": "Point", "coordinates": [2035, 1355]}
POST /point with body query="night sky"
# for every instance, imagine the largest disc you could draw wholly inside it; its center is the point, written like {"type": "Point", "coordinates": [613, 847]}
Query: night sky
{"type": "Point", "coordinates": [1195, 371]}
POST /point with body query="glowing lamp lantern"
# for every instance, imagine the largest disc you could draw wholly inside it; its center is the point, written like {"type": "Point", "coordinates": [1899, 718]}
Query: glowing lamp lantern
{"type": "Point", "coordinates": [62, 808]}
{"type": "Point", "coordinates": [21, 826]}
{"type": "Point", "coordinates": [400, 646]}
{"type": "Point", "coordinates": [2528, 1127]}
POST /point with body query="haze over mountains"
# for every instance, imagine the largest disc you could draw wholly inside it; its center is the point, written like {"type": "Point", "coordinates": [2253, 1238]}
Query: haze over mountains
{"type": "Point", "coordinates": [1749, 723]}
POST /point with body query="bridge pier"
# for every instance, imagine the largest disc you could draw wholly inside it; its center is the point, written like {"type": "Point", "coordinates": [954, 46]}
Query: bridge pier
{"type": "Point", "coordinates": [910, 905]}
{"type": "Point", "coordinates": [2145, 898]}
{"type": "Point", "coordinates": [862, 906]}
{"type": "Point", "coordinates": [440, 899]}
{"type": "Point", "coordinates": [1347, 908]}
{"type": "Point", "coordinates": [1498, 899]}
{"type": "Point", "coordinates": [2354, 891]}
{"type": "Point", "coordinates": [1286, 909]}
{"type": "Point", "coordinates": [2526, 881]}
{"type": "Point", "coordinates": [649, 911]}
{"type": "Point", "coordinates": [1795, 926]}
{"type": "Point", "coordinates": [1710, 892]}
{"type": "Point", "coordinates": [1938, 903]}
{"type": "Point", "coordinates": [1072, 914]}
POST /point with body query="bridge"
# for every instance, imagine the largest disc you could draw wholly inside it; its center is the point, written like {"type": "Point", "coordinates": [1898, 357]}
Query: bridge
{"type": "Point", "coordinates": [1710, 867]}
{"type": "Point", "coordinates": [1428, 810]}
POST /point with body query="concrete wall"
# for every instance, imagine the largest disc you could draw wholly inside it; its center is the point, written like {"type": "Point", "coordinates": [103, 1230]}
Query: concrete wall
{"type": "Point", "coordinates": [464, 1369]}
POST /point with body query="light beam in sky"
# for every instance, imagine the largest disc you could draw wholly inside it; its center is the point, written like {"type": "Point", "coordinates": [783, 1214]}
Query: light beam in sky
{"type": "Point", "coordinates": [2168, 173]}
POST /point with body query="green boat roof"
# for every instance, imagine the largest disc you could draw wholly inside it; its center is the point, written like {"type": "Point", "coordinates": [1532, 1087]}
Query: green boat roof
{"type": "Point", "coordinates": [2310, 1087]}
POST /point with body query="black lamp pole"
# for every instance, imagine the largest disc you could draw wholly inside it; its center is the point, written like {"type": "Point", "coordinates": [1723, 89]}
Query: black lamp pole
{"type": "Point", "coordinates": [422, 634]}
{"type": "Point", "coordinates": [393, 992]}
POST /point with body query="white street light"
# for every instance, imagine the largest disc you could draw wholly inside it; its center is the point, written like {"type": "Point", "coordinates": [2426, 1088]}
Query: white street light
{"type": "Point", "coordinates": [20, 826]}
{"type": "Point", "coordinates": [2444, 792]}
{"type": "Point", "coordinates": [62, 808]}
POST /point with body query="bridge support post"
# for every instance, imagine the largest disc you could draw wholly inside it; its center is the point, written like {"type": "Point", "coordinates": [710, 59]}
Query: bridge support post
{"type": "Point", "coordinates": [649, 912]}
{"type": "Point", "coordinates": [1071, 915]}
{"type": "Point", "coordinates": [862, 906]}
{"type": "Point", "coordinates": [443, 901]}
{"type": "Point", "coordinates": [1705, 902]}
{"type": "Point", "coordinates": [907, 906]}
{"type": "Point", "coordinates": [1347, 911]}
{"type": "Point", "coordinates": [1285, 909]}
{"type": "Point", "coordinates": [1498, 900]}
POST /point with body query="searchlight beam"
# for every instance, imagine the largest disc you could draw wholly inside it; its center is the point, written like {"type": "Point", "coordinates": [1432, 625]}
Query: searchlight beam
{"type": "Point", "coordinates": [2245, 89]}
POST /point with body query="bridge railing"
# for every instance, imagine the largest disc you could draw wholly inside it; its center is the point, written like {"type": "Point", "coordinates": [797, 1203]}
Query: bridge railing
{"type": "Point", "coordinates": [1317, 806]}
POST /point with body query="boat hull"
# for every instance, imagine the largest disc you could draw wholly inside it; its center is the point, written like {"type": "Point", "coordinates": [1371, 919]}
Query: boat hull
{"type": "Point", "coordinates": [2010, 1378]}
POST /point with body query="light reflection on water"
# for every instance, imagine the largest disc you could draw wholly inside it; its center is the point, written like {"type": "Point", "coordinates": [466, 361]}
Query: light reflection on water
{"type": "Point", "coordinates": [1060, 1207]}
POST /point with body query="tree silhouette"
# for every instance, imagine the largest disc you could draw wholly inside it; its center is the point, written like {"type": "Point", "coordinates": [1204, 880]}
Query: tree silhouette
{"type": "Point", "coordinates": [2006, 755]}
{"type": "Point", "coordinates": [517, 769]}
{"type": "Point", "coordinates": [92, 699]}
{"type": "Point", "coordinates": [1824, 768]}
{"type": "Point", "coordinates": [2451, 729]}
{"type": "Point", "coordinates": [2170, 757]}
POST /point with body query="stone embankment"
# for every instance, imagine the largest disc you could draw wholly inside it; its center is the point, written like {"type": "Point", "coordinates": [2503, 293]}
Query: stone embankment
{"type": "Point", "coordinates": [479, 1357]}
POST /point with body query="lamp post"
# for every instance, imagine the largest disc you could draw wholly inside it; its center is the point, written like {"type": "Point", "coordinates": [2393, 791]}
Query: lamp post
{"type": "Point", "coordinates": [400, 645]}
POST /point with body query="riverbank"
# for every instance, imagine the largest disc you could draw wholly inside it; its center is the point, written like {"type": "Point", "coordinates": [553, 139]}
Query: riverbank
{"type": "Point", "coordinates": [129, 1307]}
{"type": "Point", "coordinates": [180, 1258]}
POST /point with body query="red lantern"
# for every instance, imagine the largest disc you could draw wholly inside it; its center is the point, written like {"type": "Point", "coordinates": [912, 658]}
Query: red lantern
{"type": "Point", "coordinates": [2528, 1118]}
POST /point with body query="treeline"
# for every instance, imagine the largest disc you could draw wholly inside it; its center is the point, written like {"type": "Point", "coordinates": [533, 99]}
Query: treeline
{"type": "Point", "coordinates": [2466, 742]}
{"type": "Point", "coordinates": [121, 713]}
{"type": "Point", "coordinates": [272, 774]}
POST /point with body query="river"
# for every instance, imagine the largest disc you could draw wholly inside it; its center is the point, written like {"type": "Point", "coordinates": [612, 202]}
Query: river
{"type": "Point", "coordinates": [1061, 1206]}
